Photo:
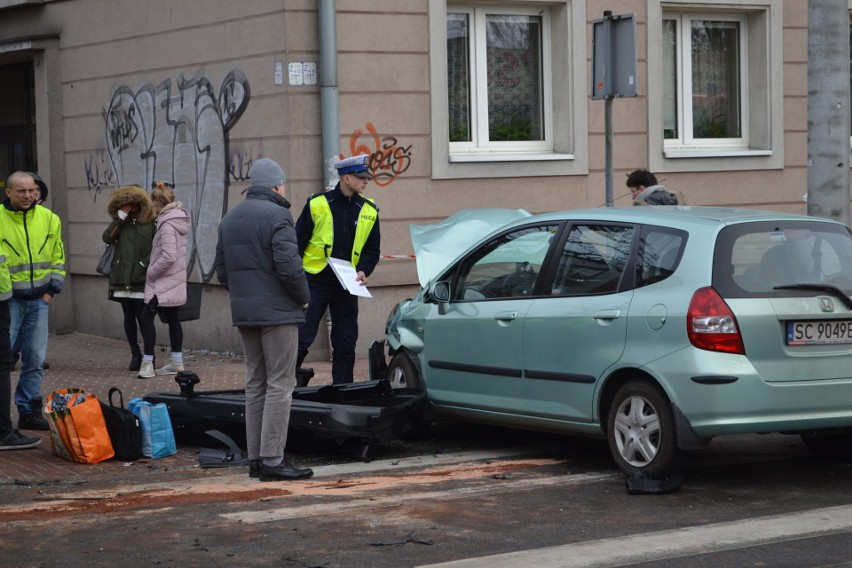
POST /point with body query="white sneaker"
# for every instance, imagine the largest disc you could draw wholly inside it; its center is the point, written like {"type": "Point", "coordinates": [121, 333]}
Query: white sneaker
{"type": "Point", "coordinates": [171, 368]}
{"type": "Point", "coordinates": [146, 371]}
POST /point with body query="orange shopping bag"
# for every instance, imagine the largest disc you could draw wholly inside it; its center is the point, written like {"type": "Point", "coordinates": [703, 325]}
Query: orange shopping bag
{"type": "Point", "coordinates": [79, 421]}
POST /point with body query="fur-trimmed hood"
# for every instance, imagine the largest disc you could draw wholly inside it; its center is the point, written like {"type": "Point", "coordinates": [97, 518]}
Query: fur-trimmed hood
{"type": "Point", "coordinates": [131, 194]}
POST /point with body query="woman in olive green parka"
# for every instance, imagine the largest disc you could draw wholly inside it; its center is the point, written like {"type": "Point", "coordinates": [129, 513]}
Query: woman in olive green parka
{"type": "Point", "coordinates": [133, 225]}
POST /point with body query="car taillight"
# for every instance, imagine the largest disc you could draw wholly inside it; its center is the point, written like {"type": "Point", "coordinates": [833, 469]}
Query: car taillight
{"type": "Point", "coordinates": [711, 325]}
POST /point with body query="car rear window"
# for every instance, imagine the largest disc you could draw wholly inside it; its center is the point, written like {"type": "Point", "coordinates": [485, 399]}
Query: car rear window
{"type": "Point", "coordinates": [755, 259]}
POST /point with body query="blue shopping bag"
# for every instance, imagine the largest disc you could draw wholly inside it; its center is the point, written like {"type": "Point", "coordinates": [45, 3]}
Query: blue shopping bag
{"type": "Point", "coordinates": [158, 438]}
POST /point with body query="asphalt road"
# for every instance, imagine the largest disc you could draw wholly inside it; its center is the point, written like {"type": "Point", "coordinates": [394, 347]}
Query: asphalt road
{"type": "Point", "coordinates": [463, 496]}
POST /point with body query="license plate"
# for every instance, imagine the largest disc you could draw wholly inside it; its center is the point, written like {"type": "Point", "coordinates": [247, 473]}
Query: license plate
{"type": "Point", "coordinates": [819, 332]}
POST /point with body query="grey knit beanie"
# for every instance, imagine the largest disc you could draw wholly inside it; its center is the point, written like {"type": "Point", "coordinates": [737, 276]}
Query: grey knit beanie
{"type": "Point", "coordinates": [266, 173]}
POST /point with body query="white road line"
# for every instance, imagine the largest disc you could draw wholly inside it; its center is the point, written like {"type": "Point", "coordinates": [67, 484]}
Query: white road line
{"type": "Point", "coordinates": [646, 547]}
{"type": "Point", "coordinates": [503, 486]}
{"type": "Point", "coordinates": [429, 460]}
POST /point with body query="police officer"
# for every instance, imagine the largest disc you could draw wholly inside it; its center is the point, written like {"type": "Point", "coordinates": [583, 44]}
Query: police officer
{"type": "Point", "coordinates": [343, 224]}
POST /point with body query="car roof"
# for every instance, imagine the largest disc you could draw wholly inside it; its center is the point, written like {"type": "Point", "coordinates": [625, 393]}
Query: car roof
{"type": "Point", "coordinates": [677, 215]}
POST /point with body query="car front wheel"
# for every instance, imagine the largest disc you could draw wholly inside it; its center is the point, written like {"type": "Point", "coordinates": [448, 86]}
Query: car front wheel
{"type": "Point", "coordinates": [402, 374]}
{"type": "Point", "coordinates": [641, 432]}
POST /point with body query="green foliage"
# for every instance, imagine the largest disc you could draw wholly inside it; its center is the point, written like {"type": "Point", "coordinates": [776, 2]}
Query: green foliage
{"type": "Point", "coordinates": [516, 129]}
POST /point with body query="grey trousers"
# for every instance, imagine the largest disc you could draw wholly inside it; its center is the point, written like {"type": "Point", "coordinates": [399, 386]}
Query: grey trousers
{"type": "Point", "coordinates": [271, 364]}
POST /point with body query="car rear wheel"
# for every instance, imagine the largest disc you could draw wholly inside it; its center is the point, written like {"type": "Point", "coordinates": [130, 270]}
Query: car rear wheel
{"type": "Point", "coordinates": [641, 432]}
{"type": "Point", "coordinates": [830, 446]}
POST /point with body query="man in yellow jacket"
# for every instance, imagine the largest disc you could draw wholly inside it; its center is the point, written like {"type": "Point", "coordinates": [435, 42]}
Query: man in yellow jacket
{"type": "Point", "coordinates": [32, 240]}
{"type": "Point", "coordinates": [343, 224]}
{"type": "Point", "coordinates": [10, 439]}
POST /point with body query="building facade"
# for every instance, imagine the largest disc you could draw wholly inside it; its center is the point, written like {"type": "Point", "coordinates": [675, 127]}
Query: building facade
{"type": "Point", "coordinates": [460, 105]}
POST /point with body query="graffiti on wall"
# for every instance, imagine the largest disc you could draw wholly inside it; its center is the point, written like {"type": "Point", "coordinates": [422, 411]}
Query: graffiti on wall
{"type": "Point", "coordinates": [388, 159]}
{"type": "Point", "coordinates": [178, 134]}
{"type": "Point", "coordinates": [240, 161]}
{"type": "Point", "coordinates": [99, 174]}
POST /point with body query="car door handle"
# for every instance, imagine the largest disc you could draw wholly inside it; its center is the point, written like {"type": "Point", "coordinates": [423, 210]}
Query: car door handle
{"type": "Point", "coordinates": [608, 315]}
{"type": "Point", "coordinates": [505, 316]}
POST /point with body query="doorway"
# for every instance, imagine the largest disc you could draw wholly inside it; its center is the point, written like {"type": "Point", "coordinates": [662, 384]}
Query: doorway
{"type": "Point", "coordinates": [17, 120]}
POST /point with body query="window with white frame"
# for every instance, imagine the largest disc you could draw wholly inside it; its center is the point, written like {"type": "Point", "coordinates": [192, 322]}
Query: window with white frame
{"type": "Point", "coordinates": [705, 73]}
{"type": "Point", "coordinates": [498, 78]}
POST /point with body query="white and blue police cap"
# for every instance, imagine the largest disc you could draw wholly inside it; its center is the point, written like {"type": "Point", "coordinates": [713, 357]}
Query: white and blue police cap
{"type": "Point", "coordinates": [356, 166]}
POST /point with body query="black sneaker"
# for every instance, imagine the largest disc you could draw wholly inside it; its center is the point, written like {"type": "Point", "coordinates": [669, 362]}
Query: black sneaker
{"type": "Point", "coordinates": [14, 440]}
{"type": "Point", "coordinates": [32, 422]}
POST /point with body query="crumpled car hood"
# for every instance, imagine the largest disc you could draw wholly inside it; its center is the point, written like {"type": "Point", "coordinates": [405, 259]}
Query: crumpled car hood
{"type": "Point", "coordinates": [436, 246]}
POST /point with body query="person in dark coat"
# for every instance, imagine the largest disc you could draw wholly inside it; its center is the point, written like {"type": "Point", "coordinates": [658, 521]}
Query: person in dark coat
{"type": "Point", "coordinates": [645, 190]}
{"type": "Point", "coordinates": [132, 226]}
{"type": "Point", "coordinates": [257, 260]}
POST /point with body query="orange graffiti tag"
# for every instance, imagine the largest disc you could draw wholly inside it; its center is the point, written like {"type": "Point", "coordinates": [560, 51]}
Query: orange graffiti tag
{"type": "Point", "coordinates": [388, 159]}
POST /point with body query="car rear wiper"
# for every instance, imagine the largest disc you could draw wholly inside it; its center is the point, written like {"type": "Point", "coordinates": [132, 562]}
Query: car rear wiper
{"type": "Point", "coordinates": [827, 288]}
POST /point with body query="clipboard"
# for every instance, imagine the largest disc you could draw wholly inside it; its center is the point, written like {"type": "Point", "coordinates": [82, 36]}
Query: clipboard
{"type": "Point", "coordinates": [346, 274]}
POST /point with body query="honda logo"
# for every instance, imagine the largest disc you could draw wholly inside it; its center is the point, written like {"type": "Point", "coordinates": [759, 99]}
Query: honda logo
{"type": "Point", "coordinates": [826, 304]}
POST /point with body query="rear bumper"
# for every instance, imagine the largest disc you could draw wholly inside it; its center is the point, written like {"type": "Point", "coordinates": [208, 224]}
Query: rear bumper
{"type": "Point", "coordinates": [719, 394]}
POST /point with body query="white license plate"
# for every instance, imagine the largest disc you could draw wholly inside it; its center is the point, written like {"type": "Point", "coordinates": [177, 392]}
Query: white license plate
{"type": "Point", "coordinates": [819, 332]}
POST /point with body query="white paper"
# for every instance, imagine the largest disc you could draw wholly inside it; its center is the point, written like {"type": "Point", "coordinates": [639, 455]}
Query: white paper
{"type": "Point", "coordinates": [347, 275]}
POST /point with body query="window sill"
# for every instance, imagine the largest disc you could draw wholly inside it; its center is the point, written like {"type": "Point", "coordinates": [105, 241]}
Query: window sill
{"type": "Point", "coordinates": [676, 153]}
{"type": "Point", "coordinates": [508, 157]}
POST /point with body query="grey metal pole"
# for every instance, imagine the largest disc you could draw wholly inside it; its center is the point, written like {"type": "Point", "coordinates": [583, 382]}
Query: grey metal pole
{"type": "Point", "coordinates": [608, 165]}
{"type": "Point", "coordinates": [828, 109]}
{"type": "Point", "coordinates": [329, 102]}
{"type": "Point", "coordinates": [610, 74]}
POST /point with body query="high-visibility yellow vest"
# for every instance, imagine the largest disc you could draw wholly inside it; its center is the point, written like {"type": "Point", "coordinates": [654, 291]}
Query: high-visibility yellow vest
{"type": "Point", "coordinates": [32, 243]}
{"type": "Point", "coordinates": [319, 246]}
{"type": "Point", "coordinates": [5, 279]}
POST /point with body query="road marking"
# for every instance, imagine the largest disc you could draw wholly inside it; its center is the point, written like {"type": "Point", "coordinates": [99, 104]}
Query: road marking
{"type": "Point", "coordinates": [431, 459]}
{"type": "Point", "coordinates": [676, 543]}
{"type": "Point", "coordinates": [503, 486]}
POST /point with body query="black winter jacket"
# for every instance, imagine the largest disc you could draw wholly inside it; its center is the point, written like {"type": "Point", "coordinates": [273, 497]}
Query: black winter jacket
{"type": "Point", "coordinates": [258, 261]}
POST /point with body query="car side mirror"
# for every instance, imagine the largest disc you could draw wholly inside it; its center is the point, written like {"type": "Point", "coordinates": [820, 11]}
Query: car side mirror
{"type": "Point", "coordinates": [441, 293]}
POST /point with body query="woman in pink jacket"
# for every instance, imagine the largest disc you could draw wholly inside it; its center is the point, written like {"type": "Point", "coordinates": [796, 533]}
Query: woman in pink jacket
{"type": "Point", "coordinates": [165, 285]}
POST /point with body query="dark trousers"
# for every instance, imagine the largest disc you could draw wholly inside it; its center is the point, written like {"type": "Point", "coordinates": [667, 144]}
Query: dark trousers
{"type": "Point", "coordinates": [6, 366]}
{"type": "Point", "coordinates": [134, 313]}
{"type": "Point", "coordinates": [343, 308]}
{"type": "Point", "coordinates": [171, 317]}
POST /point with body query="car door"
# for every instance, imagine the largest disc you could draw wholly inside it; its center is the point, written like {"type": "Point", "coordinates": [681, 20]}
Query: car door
{"type": "Point", "coordinates": [473, 347]}
{"type": "Point", "coordinates": [573, 335]}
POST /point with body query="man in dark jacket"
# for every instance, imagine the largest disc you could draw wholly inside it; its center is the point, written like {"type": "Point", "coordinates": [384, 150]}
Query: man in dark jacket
{"type": "Point", "coordinates": [343, 224]}
{"type": "Point", "coordinates": [257, 260]}
{"type": "Point", "coordinates": [645, 190]}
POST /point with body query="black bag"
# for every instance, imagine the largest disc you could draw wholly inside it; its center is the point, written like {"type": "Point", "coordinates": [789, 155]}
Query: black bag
{"type": "Point", "coordinates": [105, 261]}
{"type": "Point", "coordinates": [125, 431]}
{"type": "Point", "coordinates": [191, 310]}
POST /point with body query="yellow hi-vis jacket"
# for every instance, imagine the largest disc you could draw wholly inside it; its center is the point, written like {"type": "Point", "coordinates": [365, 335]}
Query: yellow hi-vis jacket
{"type": "Point", "coordinates": [318, 249]}
{"type": "Point", "coordinates": [35, 255]}
{"type": "Point", "coordinates": [5, 279]}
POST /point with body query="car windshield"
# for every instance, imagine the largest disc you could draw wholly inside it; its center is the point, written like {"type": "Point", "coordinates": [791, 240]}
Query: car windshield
{"type": "Point", "coordinates": [770, 258]}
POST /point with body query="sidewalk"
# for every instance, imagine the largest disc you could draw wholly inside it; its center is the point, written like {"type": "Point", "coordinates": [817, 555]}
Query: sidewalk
{"type": "Point", "coordinates": [96, 364]}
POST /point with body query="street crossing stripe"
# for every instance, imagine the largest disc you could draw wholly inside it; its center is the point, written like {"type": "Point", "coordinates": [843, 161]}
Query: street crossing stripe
{"type": "Point", "coordinates": [290, 512]}
{"type": "Point", "coordinates": [675, 543]}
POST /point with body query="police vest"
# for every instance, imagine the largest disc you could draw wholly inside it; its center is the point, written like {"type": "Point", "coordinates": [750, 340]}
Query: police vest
{"type": "Point", "coordinates": [319, 246]}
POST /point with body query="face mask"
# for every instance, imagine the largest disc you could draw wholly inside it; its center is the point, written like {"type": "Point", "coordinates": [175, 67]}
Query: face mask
{"type": "Point", "coordinates": [122, 215]}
